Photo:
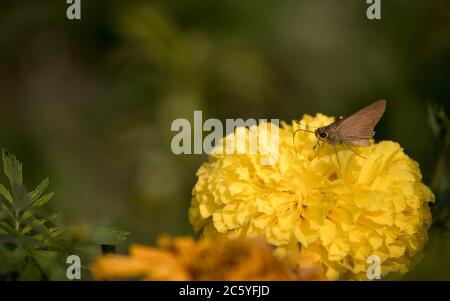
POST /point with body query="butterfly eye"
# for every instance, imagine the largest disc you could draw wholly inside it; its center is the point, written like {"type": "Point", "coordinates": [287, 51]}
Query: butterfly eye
{"type": "Point", "coordinates": [323, 135]}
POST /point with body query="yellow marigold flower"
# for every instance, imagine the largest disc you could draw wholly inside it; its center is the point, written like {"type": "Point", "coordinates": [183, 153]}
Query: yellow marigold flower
{"type": "Point", "coordinates": [339, 207]}
{"type": "Point", "coordinates": [219, 259]}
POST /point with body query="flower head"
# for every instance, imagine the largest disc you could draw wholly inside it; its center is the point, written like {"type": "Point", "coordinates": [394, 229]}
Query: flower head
{"type": "Point", "coordinates": [338, 206]}
{"type": "Point", "coordinates": [183, 258]}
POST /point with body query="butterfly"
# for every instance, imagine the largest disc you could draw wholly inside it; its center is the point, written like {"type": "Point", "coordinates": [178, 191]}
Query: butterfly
{"type": "Point", "coordinates": [354, 130]}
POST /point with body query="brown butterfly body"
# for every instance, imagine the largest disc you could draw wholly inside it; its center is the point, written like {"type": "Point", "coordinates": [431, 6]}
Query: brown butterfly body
{"type": "Point", "coordinates": [354, 130]}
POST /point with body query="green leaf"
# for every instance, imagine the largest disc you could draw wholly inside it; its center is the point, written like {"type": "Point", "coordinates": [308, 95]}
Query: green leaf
{"type": "Point", "coordinates": [7, 205]}
{"type": "Point", "coordinates": [27, 214]}
{"type": "Point", "coordinates": [37, 225]}
{"type": "Point", "coordinates": [7, 228]}
{"type": "Point", "coordinates": [6, 265]}
{"type": "Point", "coordinates": [108, 236]}
{"type": "Point", "coordinates": [35, 194]}
{"type": "Point", "coordinates": [55, 232]}
{"type": "Point", "coordinates": [11, 259]}
{"type": "Point", "coordinates": [31, 271]}
{"type": "Point", "coordinates": [32, 242]}
{"type": "Point", "coordinates": [7, 211]}
{"type": "Point", "coordinates": [12, 168]}
{"type": "Point", "coordinates": [50, 263]}
{"type": "Point", "coordinates": [37, 203]}
{"type": "Point", "coordinates": [5, 193]}
{"type": "Point", "coordinates": [21, 198]}
{"type": "Point", "coordinates": [26, 229]}
{"type": "Point", "coordinates": [43, 200]}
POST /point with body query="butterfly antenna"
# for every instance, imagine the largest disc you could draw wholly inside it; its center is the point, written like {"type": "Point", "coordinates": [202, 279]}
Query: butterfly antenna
{"type": "Point", "coordinates": [293, 138]}
{"type": "Point", "coordinates": [306, 125]}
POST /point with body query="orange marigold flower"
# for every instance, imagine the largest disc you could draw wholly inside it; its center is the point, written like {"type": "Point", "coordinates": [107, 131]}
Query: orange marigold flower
{"type": "Point", "coordinates": [183, 258]}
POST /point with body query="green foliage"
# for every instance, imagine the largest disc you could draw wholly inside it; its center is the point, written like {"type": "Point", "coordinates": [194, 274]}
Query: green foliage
{"type": "Point", "coordinates": [108, 236]}
{"type": "Point", "coordinates": [440, 182]}
{"type": "Point", "coordinates": [34, 245]}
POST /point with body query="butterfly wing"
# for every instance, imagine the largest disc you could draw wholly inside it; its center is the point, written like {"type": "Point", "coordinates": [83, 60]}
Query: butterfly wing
{"type": "Point", "coordinates": [358, 128]}
{"type": "Point", "coordinates": [358, 142]}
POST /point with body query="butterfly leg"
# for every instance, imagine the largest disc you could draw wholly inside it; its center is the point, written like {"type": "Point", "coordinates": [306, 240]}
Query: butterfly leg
{"type": "Point", "coordinates": [337, 155]}
{"type": "Point", "coordinates": [356, 153]}
{"type": "Point", "coordinates": [318, 147]}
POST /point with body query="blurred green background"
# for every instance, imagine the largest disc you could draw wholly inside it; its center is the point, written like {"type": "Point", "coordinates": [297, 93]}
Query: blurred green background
{"type": "Point", "coordinates": [90, 103]}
